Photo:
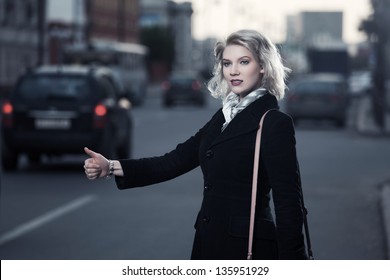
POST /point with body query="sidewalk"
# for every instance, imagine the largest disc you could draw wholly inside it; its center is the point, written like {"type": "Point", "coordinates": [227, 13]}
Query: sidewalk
{"type": "Point", "coordinates": [365, 125]}
{"type": "Point", "coordinates": [385, 205]}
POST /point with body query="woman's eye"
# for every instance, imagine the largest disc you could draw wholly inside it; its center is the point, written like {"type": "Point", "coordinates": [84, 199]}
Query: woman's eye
{"type": "Point", "coordinates": [226, 64]}
{"type": "Point", "coordinates": [245, 62]}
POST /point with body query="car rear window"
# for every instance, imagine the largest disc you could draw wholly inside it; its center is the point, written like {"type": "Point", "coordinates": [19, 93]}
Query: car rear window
{"type": "Point", "coordinates": [317, 87]}
{"type": "Point", "coordinates": [182, 81]}
{"type": "Point", "coordinates": [42, 87]}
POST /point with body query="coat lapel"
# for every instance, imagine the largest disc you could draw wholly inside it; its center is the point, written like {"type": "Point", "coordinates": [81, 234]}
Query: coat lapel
{"type": "Point", "coordinates": [247, 120]}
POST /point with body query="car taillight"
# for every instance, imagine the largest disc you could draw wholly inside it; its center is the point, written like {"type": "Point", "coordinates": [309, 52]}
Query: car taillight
{"type": "Point", "coordinates": [292, 97]}
{"type": "Point", "coordinates": [335, 98]}
{"type": "Point", "coordinates": [7, 108]}
{"type": "Point", "coordinates": [166, 85]}
{"type": "Point", "coordinates": [7, 111]}
{"type": "Point", "coordinates": [196, 85]}
{"type": "Point", "coordinates": [100, 110]}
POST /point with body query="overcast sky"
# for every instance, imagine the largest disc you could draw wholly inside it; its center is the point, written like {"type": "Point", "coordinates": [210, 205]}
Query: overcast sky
{"type": "Point", "coordinates": [219, 17]}
{"type": "Point", "coordinates": [60, 9]}
{"type": "Point", "coordinates": [63, 10]}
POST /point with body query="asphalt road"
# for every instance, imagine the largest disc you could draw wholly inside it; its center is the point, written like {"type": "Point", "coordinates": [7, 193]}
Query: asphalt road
{"type": "Point", "coordinates": [51, 211]}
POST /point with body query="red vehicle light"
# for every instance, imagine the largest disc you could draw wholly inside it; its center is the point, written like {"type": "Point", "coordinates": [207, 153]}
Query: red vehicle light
{"type": "Point", "coordinates": [166, 85]}
{"type": "Point", "coordinates": [7, 108]}
{"type": "Point", "coordinates": [293, 97]}
{"type": "Point", "coordinates": [335, 98]}
{"type": "Point", "coordinates": [196, 85]}
{"type": "Point", "coordinates": [100, 110]}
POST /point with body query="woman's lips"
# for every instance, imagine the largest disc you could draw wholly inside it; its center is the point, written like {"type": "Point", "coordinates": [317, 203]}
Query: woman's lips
{"type": "Point", "coordinates": [236, 82]}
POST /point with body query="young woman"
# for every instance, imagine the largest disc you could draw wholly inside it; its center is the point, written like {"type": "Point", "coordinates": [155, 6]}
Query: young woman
{"type": "Point", "coordinates": [249, 77]}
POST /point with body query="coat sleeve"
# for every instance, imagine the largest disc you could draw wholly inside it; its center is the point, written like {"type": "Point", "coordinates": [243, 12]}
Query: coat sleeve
{"type": "Point", "coordinates": [280, 161]}
{"type": "Point", "coordinates": [152, 170]}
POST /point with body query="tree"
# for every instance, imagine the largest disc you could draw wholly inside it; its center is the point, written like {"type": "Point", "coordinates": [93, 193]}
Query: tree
{"type": "Point", "coordinates": [377, 29]}
{"type": "Point", "coordinates": [160, 42]}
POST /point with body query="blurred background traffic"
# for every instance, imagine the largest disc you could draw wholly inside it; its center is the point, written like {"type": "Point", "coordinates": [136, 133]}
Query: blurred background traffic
{"type": "Point", "coordinates": [144, 42]}
{"type": "Point", "coordinates": [127, 78]}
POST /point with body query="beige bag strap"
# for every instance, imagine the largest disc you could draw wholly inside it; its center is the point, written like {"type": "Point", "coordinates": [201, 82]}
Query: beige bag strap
{"type": "Point", "coordinates": [254, 185]}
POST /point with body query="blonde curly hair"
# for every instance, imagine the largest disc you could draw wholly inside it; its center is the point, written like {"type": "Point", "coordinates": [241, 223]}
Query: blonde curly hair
{"type": "Point", "coordinates": [265, 53]}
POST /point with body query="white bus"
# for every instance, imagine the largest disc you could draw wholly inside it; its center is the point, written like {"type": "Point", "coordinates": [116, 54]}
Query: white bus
{"type": "Point", "coordinates": [127, 60]}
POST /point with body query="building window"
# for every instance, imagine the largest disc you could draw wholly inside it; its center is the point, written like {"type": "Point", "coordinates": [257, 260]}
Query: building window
{"type": "Point", "coordinates": [9, 12]}
{"type": "Point", "coordinates": [28, 13]}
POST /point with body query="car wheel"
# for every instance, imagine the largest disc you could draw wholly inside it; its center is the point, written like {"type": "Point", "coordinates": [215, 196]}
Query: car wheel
{"type": "Point", "coordinates": [201, 103]}
{"type": "Point", "coordinates": [340, 123]}
{"type": "Point", "coordinates": [108, 146]}
{"type": "Point", "coordinates": [34, 158]}
{"type": "Point", "coordinates": [124, 150]}
{"type": "Point", "coordinates": [108, 150]}
{"type": "Point", "coordinates": [9, 160]}
{"type": "Point", "coordinates": [168, 103]}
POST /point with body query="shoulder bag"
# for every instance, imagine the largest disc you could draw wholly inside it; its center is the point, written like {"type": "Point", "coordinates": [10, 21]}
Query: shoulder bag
{"type": "Point", "coordinates": [254, 194]}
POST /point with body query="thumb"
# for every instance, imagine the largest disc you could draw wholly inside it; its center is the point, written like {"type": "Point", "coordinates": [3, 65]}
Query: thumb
{"type": "Point", "coordinates": [91, 153]}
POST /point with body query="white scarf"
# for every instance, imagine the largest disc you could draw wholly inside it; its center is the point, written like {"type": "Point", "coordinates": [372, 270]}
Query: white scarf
{"type": "Point", "coordinates": [232, 105]}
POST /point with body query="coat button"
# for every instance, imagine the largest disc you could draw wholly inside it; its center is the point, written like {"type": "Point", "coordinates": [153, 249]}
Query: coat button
{"type": "Point", "coordinates": [209, 154]}
{"type": "Point", "coordinates": [205, 220]}
{"type": "Point", "coordinates": [206, 187]}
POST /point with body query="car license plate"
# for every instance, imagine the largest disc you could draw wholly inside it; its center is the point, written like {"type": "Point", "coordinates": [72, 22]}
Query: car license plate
{"type": "Point", "coordinates": [52, 123]}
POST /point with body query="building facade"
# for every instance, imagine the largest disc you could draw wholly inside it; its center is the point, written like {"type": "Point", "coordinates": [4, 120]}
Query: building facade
{"type": "Point", "coordinates": [20, 42]}
{"type": "Point", "coordinates": [177, 18]}
{"type": "Point", "coordinates": [154, 13]}
{"type": "Point", "coordinates": [115, 20]}
{"type": "Point", "coordinates": [315, 30]}
{"type": "Point", "coordinates": [310, 28]}
{"type": "Point", "coordinates": [180, 15]}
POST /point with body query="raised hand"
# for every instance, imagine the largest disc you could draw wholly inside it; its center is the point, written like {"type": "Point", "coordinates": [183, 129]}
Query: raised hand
{"type": "Point", "coordinates": [96, 166]}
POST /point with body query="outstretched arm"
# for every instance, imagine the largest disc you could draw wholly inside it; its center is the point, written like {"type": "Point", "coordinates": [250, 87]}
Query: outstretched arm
{"type": "Point", "coordinates": [97, 166]}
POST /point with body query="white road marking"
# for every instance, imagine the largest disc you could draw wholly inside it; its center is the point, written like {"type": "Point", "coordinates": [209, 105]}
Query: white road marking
{"type": "Point", "coordinates": [46, 218]}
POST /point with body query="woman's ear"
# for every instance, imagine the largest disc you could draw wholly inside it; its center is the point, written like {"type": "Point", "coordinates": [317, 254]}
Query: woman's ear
{"type": "Point", "coordinates": [261, 69]}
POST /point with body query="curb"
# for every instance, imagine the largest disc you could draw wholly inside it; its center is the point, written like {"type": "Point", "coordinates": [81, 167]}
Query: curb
{"type": "Point", "coordinates": [364, 120]}
{"type": "Point", "coordinates": [385, 203]}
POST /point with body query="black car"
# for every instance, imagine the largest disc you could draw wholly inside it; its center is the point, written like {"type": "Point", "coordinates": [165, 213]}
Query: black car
{"type": "Point", "coordinates": [319, 96]}
{"type": "Point", "coordinates": [183, 87]}
{"type": "Point", "coordinates": [56, 110]}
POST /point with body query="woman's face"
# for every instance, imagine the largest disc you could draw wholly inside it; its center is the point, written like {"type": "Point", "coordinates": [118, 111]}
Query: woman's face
{"type": "Point", "coordinates": [240, 70]}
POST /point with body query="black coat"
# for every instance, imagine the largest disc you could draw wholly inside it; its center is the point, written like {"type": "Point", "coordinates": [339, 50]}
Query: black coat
{"type": "Point", "coordinates": [226, 160]}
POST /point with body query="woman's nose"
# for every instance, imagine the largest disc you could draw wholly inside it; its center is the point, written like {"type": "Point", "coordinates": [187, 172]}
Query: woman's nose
{"type": "Point", "coordinates": [234, 70]}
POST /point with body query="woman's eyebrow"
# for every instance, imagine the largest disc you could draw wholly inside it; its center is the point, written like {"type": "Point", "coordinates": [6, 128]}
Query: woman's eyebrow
{"type": "Point", "coordinates": [242, 57]}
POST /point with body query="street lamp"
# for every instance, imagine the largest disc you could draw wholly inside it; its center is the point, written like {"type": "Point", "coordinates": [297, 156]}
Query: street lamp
{"type": "Point", "coordinates": [41, 31]}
